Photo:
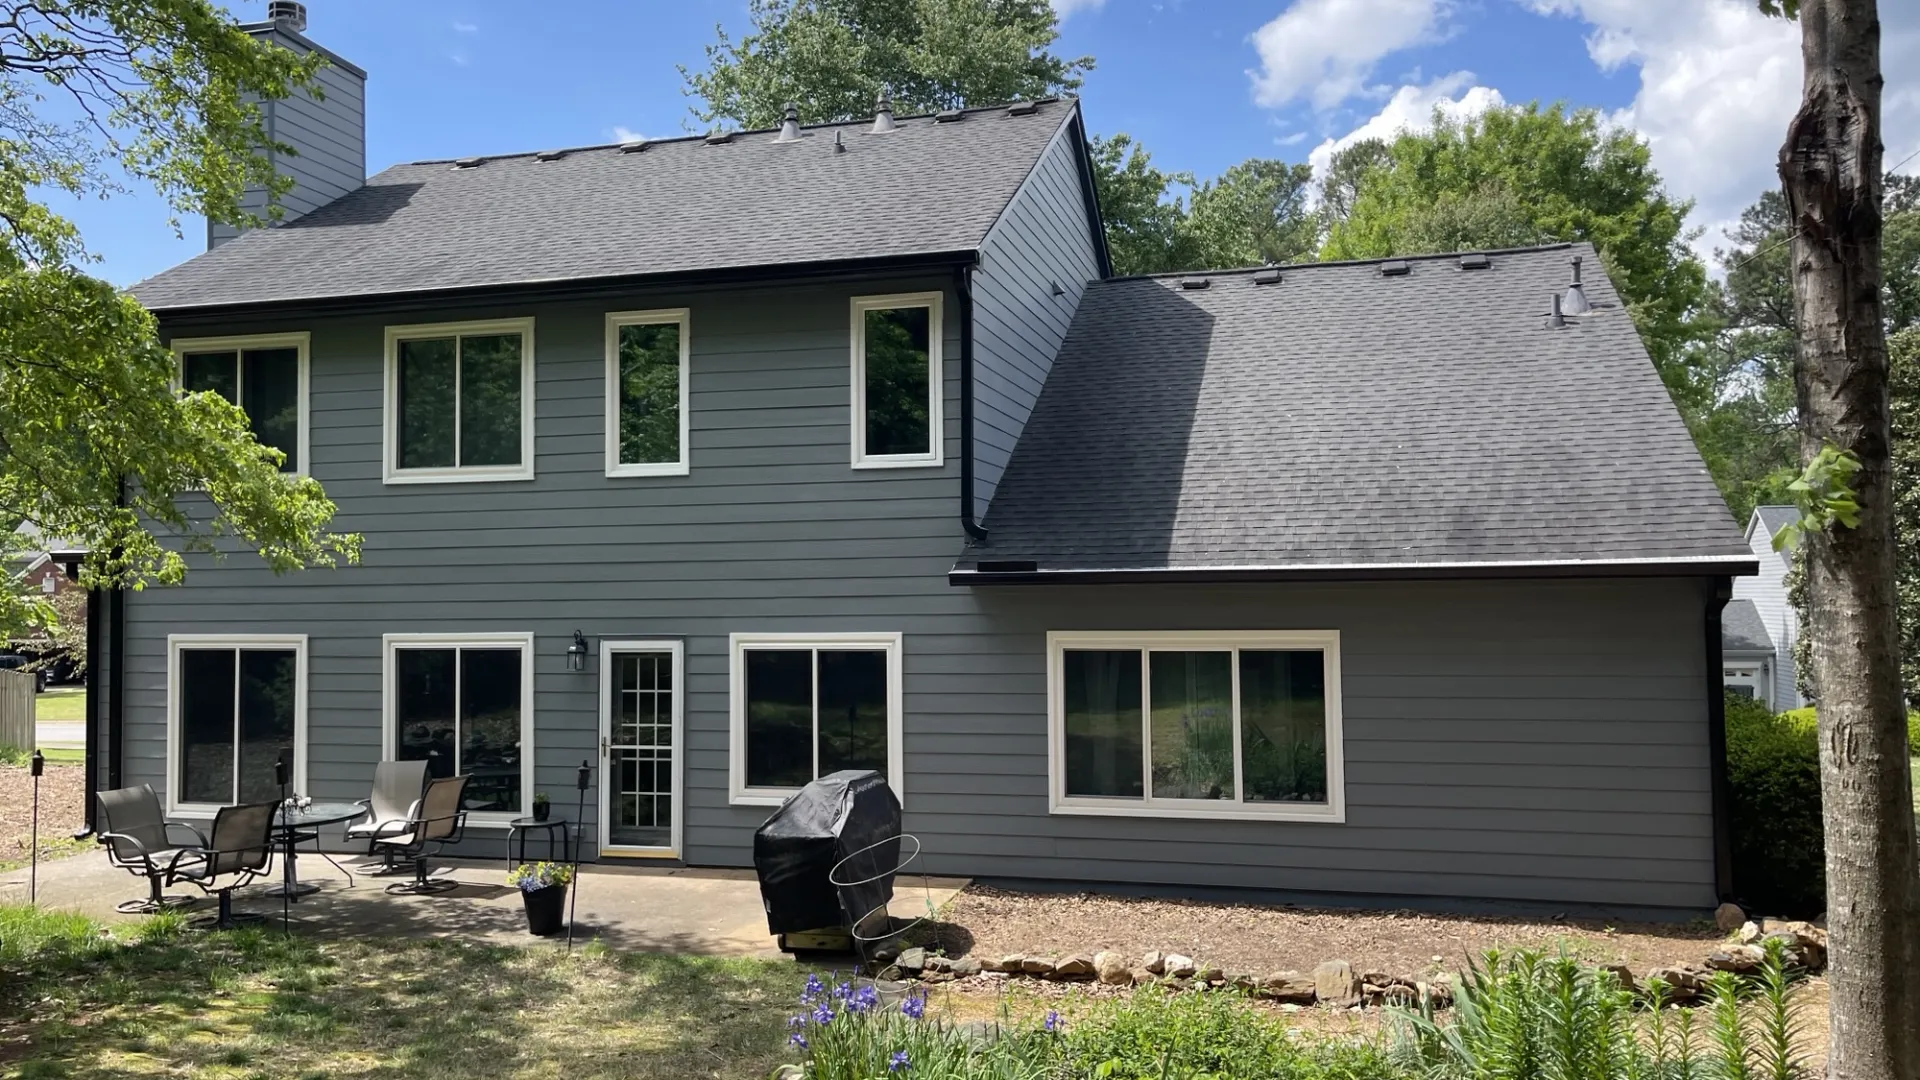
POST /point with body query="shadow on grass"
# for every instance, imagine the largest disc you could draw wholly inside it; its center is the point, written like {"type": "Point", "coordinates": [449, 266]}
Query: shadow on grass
{"type": "Point", "coordinates": [76, 1004]}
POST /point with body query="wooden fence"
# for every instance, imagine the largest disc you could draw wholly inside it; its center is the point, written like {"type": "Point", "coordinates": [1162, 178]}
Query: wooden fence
{"type": "Point", "coordinates": [16, 709]}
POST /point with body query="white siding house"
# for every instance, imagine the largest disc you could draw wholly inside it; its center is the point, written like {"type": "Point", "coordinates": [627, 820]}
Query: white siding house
{"type": "Point", "coordinates": [1768, 592]}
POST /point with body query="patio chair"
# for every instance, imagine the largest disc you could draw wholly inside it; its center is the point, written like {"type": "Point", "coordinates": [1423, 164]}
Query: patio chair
{"type": "Point", "coordinates": [397, 787]}
{"type": "Point", "coordinates": [438, 822]}
{"type": "Point", "coordinates": [140, 840]}
{"type": "Point", "coordinates": [241, 848]}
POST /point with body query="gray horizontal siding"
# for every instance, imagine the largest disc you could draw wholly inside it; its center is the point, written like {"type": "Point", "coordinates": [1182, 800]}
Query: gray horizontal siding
{"type": "Point", "coordinates": [1539, 743]}
{"type": "Point", "coordinates": [327, 135]}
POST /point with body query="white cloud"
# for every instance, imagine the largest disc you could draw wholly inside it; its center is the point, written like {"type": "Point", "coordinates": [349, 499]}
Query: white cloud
{"type": "Point", "coordinates": [465, 28]}
{"type": "Point", "coordinates": [1294, 139]}
{"type": "Point", "coordinates": [1410, 108]}
{"type": "Point", "coordinates": [1326, 50]}
{"type": "Point", "coordinates": [626, 134]}
{"type": "Point", "coordinates": [1064, 8]}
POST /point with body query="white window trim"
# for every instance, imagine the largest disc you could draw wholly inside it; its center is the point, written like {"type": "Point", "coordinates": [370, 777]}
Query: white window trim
{"type": "Point", "coordinates": [739, 794]}
{"type": "Point", "coordinates": [661, 316]}
{"type": "Point", "coordinates": [678, 802]}
{"type": "Point", "coordinates": [936, 379]}
{"type": "Point", "coordinates": [391, 644]}
{"type": "Point", "coordinates": [1760, 671]}
{"type": "Point", "coordinates": [391, 471]}
{"type": "Point", "coordinates": [1058, 802]}
{"type": "Point", "coordinates": [300, 340]}
{"type": "Point", "coordinates": [178, 642]}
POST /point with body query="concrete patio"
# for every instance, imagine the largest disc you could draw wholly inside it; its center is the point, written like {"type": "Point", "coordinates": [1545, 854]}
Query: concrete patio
{"type": "Point", "coordinates": [648, 908]}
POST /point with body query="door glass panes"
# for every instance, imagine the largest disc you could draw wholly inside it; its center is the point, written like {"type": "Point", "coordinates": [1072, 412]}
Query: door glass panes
{"type": "Point", "coordinates": [898, 382]}
{"type": "Point", "coordinates": [458, 708]}
{"type": "Point", "coordinates": [236, 720]}
{"type": "Point", "coordinates": [1283, 725]}
{"type": "Point", "coordinates": [459, 401]}
{"type": "Point", "coordinates": [640, 751]}
{"type": "Point", "coordinates": [1192, 725]}
{"type": "Point", "coordinates": [649, 386]}
{"type": "Point", "coordinates": [1102, 722]}
{"type": "Point", "coordinates": [263, 382]}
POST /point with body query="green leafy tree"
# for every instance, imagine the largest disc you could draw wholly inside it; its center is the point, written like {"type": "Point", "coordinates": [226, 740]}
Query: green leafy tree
{"type": "Point", "coordinates": [1145, 222]}
{"type": "Point", "coordinates": [1345, 173]}
{"type": "Point", "coordinates": [833, 57]}
{"type": "Point", "coordinates": [95, 444]}
{"type": "Point", "coordinates": [1255, 212]}
{"type": "Point", "coordinates": [1528, 173]}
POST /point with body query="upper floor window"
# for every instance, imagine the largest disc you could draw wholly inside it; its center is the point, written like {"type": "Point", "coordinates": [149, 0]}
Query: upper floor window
{"type": "Point", "coordinates": [459, 402]}
{"type": "Point", "coordinates": [266, 375]}
{"type": "Point", "coordinates": [896, 381]}
{"type": "Point", "coordinates": [647, 355]}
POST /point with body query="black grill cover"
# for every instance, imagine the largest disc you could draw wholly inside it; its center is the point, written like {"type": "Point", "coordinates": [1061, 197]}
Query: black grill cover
{"type": "Point", "coordinates": [826, 821]}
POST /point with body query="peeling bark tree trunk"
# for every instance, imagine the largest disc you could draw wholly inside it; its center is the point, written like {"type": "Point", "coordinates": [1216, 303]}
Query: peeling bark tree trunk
{"type": "Point", "coordinates": [1830, 166]}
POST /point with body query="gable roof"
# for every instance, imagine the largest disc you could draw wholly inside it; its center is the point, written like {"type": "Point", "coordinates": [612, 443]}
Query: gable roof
{"type": "Point", "coordinates": [1742, 630]}
{"type": "Point", "coordinates": [1347, 422]}
{"type": "Point", "coordinates": [1775, 518]}
{"type": "Point", "coordinates": [927, 189]}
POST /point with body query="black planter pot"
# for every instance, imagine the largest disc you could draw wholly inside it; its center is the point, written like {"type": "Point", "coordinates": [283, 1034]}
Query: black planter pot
{"type": "Point", "coordinates": [546, 910]}
{"type": "Point", "coordinates": [542, 810]}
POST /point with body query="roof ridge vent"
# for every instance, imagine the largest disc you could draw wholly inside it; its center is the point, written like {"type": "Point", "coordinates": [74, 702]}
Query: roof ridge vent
{"type": "Point", "coordinates": [1023, 108]}
{"type": "Point", "coordinates": [1475, 260]}
{"type": "Point", "coordinates": [1194, 284]}
{"type": "Point", "coordinates": [883, 112]}
{"type": "Point", "coordinates": [634, 146]}
{"type": "Point", "coordinates": [468, 162]}
{"type": "Point", "coordinates": [949, 116]}
{"type": "Point", "coordinates": [1395, 268]}
{"type": "Point", "coordinates": [718, 137]}
{"type": "Point", "coordinates": [790, 125]}
{"type": "Point", "coordinates": [1269, 276]}
{"type": "Point", "coordinates": [549, 155]}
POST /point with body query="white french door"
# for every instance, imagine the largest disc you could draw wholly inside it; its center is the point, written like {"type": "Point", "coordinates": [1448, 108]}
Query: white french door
{"type": "Point", "coordinates": [641, 708]}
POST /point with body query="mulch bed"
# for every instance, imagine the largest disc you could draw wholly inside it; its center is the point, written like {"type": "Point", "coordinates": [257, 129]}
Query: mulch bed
{"type": "Point", "coordinates": [62, 807]}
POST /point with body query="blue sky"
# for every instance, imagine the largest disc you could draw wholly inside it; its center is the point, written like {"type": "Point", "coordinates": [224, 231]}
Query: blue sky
{"type": "Point", "coordinates": [1203, 83]}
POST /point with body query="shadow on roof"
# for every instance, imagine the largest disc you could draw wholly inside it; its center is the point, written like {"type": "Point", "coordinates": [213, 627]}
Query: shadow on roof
{"type": "Point", "coordinates": [369, 205]}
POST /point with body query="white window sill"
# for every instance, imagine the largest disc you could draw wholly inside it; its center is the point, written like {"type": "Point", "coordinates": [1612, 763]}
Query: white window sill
{"type": "Point", "coordinates": [457, 476]}
{"type": "Point", "coordinates": [1230, 812]}
{"type": "Point", "coordinates": [915, 462]}
{"type": "Point", "coordinates": [650, 468]}
{"type": "Point", "coordinates": [761, 797]}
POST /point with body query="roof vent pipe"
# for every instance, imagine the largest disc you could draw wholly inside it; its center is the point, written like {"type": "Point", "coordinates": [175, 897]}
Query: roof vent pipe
{"type": "Point", "coordinates": [882, 113]}
{"type": "Point", "coordinates": [1555, 318]}
{"type": "Point", "coordinates": [790, 127]}
{"type": "Point", "coordinates": [1576, 298]}
{"type": "Point", "coordinates": [838, 146]}
{"type": "Point", "coordinates": [289, 14]}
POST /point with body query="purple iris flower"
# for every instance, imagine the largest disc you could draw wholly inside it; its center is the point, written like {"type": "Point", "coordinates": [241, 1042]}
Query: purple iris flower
{"type": "Point", "coordinates": [898, 1061]}
{"type": "Point", "coordinates": [914, 1006]}
{"type": "Point", "coordinates": [823, 1015]}
{"type": "Point", "coordinates": [798, 1040]}
{"type": "Point", "coordinates": [1052, 1021]}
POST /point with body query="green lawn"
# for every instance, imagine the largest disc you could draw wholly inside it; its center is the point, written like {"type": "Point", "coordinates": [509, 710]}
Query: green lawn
{"type": "Point", "coordinates": [61, 703]}
{"type": "Point", "coordinates": [152, 999]}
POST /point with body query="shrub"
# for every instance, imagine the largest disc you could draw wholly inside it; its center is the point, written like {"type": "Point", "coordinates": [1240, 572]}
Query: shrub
{"type": "Point", "coordinates": [1214, 1033]}
{"type": "Point", "coordinates": [850, 1033]}
{"type": "Point", "coordinates": [1773, 771]}
{"type": "Point", "coordinates": [1807, 719]}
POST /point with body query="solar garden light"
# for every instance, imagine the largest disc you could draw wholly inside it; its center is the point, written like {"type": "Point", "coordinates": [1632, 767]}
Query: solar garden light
{"type": "Point", "coordinates": [36, 765]}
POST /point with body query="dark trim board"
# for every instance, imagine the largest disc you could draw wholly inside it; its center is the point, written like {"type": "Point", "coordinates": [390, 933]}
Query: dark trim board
{"type": "Point", "coordinates": [1403, 572]}
{"type": "Point", "coordinates": [1719, 591]}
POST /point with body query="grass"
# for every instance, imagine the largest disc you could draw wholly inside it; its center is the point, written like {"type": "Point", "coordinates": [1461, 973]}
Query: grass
{"type": "Point", "coordinates": [61, 703]}
{"type": "Point", "coordinates": [77, 1001]}
{"type": "Point", "coordinates": [13, 755]}
{"type": "Point", "coordinates": [51, 848]}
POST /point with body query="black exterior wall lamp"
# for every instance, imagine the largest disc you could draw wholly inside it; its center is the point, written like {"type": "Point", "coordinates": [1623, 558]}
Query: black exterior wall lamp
{"type": "Point", "coordinates": [577, 653]}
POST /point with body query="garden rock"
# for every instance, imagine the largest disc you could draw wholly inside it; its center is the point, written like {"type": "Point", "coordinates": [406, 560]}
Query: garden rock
{"type": "Point", "coordinates": [939, 963]}
{"type": "Point", "coordinates": [1334, 982]}
{"type": "Point", "coordinates": [1622, 973]}
{"type": "Point", "coordinates": [1142, 977]}
{"type": "Point", "coordinates": [1112, 968]}
{"type": "Point", "coordinates": [1179, 967]}
{"type": "Point", "coordinates": [1728, 917]}
{"type": "Point", "coordinates": [1749, 932]}
{"type": "Point", "coordinates": [1684, 981]}
{"type": "Point", "coordinates": [913, 961]}
{"type": "Point", "coordinates": [1243, 980]}
{"type": "Point", "coordinates": [790, 1072]}
{"type": "Point", "coordinates": [966, 967]}
{"type": "Point", "coordinates": [1009, 963]}
{"type": "Point", "coordinates": [1075, 968]}
{"type": "Point", "coordinates": [887, 953]}
{"type": "Point", "coordinates": [1036, 965]}
{"type": "Point", "coordinates": [1212, 976]}
{"type": "Point", "coordinates": [1155, 962]}
{"type": "Point", "coordinates": [1739, 959]}
{"type": "Point", "coordinates": [1437, 994]}
{"type": "Point", "coordinates": [1288, 986]}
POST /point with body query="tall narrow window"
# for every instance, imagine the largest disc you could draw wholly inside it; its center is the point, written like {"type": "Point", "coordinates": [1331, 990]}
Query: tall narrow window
{"type": "Point", "coordinates": [647, 354]}
{"type": "Point", "coordinates": [236, 708]}
{"type": "Point", "coordinates": [265, 376]}
{"type": "Point", "coordinates": [1198, 724]}
{"type": "Point", "coordinates": [461, 705]}
{"type": "Point", "coordinates": [804, 707]}
{"type": "Point", "coordinates": [460, 402]}
{"type": "Point", "coordinates": [896, 381]}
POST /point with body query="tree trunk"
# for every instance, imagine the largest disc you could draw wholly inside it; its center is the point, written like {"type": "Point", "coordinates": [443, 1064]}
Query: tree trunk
{"type": "Point", "coordinates": [1830, 166]}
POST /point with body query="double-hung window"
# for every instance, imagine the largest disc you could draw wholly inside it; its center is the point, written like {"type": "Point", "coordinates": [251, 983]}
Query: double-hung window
{"type": "Point", "coordinates": [647, 393]}
{"type": "Point", "coordinates": [266, 375]}
{"type": "Point", "coordinates": [459, 402]}
{"type": "Point", "coordinates": [806, 705]}
{"type": "Point", "coordinates": [896, 381]}
{"type": "Point", "coordinates": [1196, 724]}
{"type": "Point", "coordinates": [236, 706]}
{"type": "Point", "coordinates": [464, 705]}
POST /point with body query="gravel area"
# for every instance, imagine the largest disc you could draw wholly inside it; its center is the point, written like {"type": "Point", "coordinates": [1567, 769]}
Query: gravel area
{"type": "Point", "coordinates": [1246, 937]}
{"type": "Point", "coordinates": [62, 808]}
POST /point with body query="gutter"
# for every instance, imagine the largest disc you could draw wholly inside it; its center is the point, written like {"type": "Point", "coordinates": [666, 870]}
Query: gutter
{"type": "Point", "coordinates": [1719, 591]}
{"type": "Point", "coordinates": [963, 290]}
{"type": "Point", "coordinates": [1025, 572]}
{"type": "Point", "coordinates": [116, 687]}
{"type": "Point", "coordinates": [96, 611]}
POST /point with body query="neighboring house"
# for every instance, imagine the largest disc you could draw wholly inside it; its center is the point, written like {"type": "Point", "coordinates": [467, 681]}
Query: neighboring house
{"type": "Point", "coordinates": [1769, 671]}
{"type": "Point", "coordinates": [1746, 652]}
{"type": "Point", "coordinates": [1360, 582]}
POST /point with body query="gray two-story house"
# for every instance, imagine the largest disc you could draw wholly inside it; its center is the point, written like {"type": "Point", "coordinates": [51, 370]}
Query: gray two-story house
{"type": "Point", "coordinates": [724, 462]}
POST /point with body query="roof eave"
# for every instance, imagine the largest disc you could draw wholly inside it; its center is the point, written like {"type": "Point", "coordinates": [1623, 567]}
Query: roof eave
{"type": "Point", "coordinates": [1736, 566]}
{"type": "Point", "coordinates": [568, 289]}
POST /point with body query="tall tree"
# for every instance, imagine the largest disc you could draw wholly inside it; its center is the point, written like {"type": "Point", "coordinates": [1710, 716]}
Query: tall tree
{"type": "Point", "coordinates": [1830, 170]}
{"type": "Point", "coordinates": [833, 57]}
{"type": "Point", "coordinates": [1348, 169]}
{"type": "Point", "coordinates": [95, 445]}
{"type": "Point", "coordinates": [1526, 173]}
{"type": "Point", "coordinates": [1255, 212]}
{"type": "Point", "coordinates": [1903, 392]}
{"type": "Point", "coordinates": [1146, 223]}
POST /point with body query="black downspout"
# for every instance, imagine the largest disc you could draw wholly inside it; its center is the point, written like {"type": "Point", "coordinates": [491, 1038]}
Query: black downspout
{"type": "Point", "coordinates": [1720, 590]}
{"type": "Point", "coordinates": [96, 613]}
{"type": "Point", "coordinates": [116, 687]}
{"type": "Point", "coordinates": [963, 293]}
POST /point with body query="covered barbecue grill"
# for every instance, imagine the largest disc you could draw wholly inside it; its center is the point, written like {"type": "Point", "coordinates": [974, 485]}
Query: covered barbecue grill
{"type": "Point", "coordinates": [849, 819]}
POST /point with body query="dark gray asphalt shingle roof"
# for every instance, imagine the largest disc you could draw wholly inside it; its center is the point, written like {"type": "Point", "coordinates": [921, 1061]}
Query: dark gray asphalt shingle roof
{"type": "Point", "coordinates": [1345, 418]}
{"type": "Point", "coordinates": [1775, 518]}
{"type": "Point", "coordinates": [678, 206]}
{"type": "Point", "coordinates": [1742, 630]}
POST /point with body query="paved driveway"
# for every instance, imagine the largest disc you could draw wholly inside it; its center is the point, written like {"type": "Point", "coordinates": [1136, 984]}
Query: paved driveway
{"type": "Point", "coordinates": [62, 734]}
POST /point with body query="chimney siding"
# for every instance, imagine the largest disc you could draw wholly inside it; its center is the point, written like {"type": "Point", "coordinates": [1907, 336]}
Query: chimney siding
{"type": "Point", "coordinates": [330, 136]}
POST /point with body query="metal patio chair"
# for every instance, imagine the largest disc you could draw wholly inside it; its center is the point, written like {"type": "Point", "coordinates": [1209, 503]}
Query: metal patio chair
{"type": "Point", "coordinates": [140, 840]}
{"type": "Point", "coordinates": [397, 788]}
{"type": "Point", "coordinates": [238, 854]}
{"type": "Point", "coordinates": [438, 822]}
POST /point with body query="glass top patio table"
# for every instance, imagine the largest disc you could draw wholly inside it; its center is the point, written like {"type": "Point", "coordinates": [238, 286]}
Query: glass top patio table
{"type": "Point", "coordinates": [288, 823]}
